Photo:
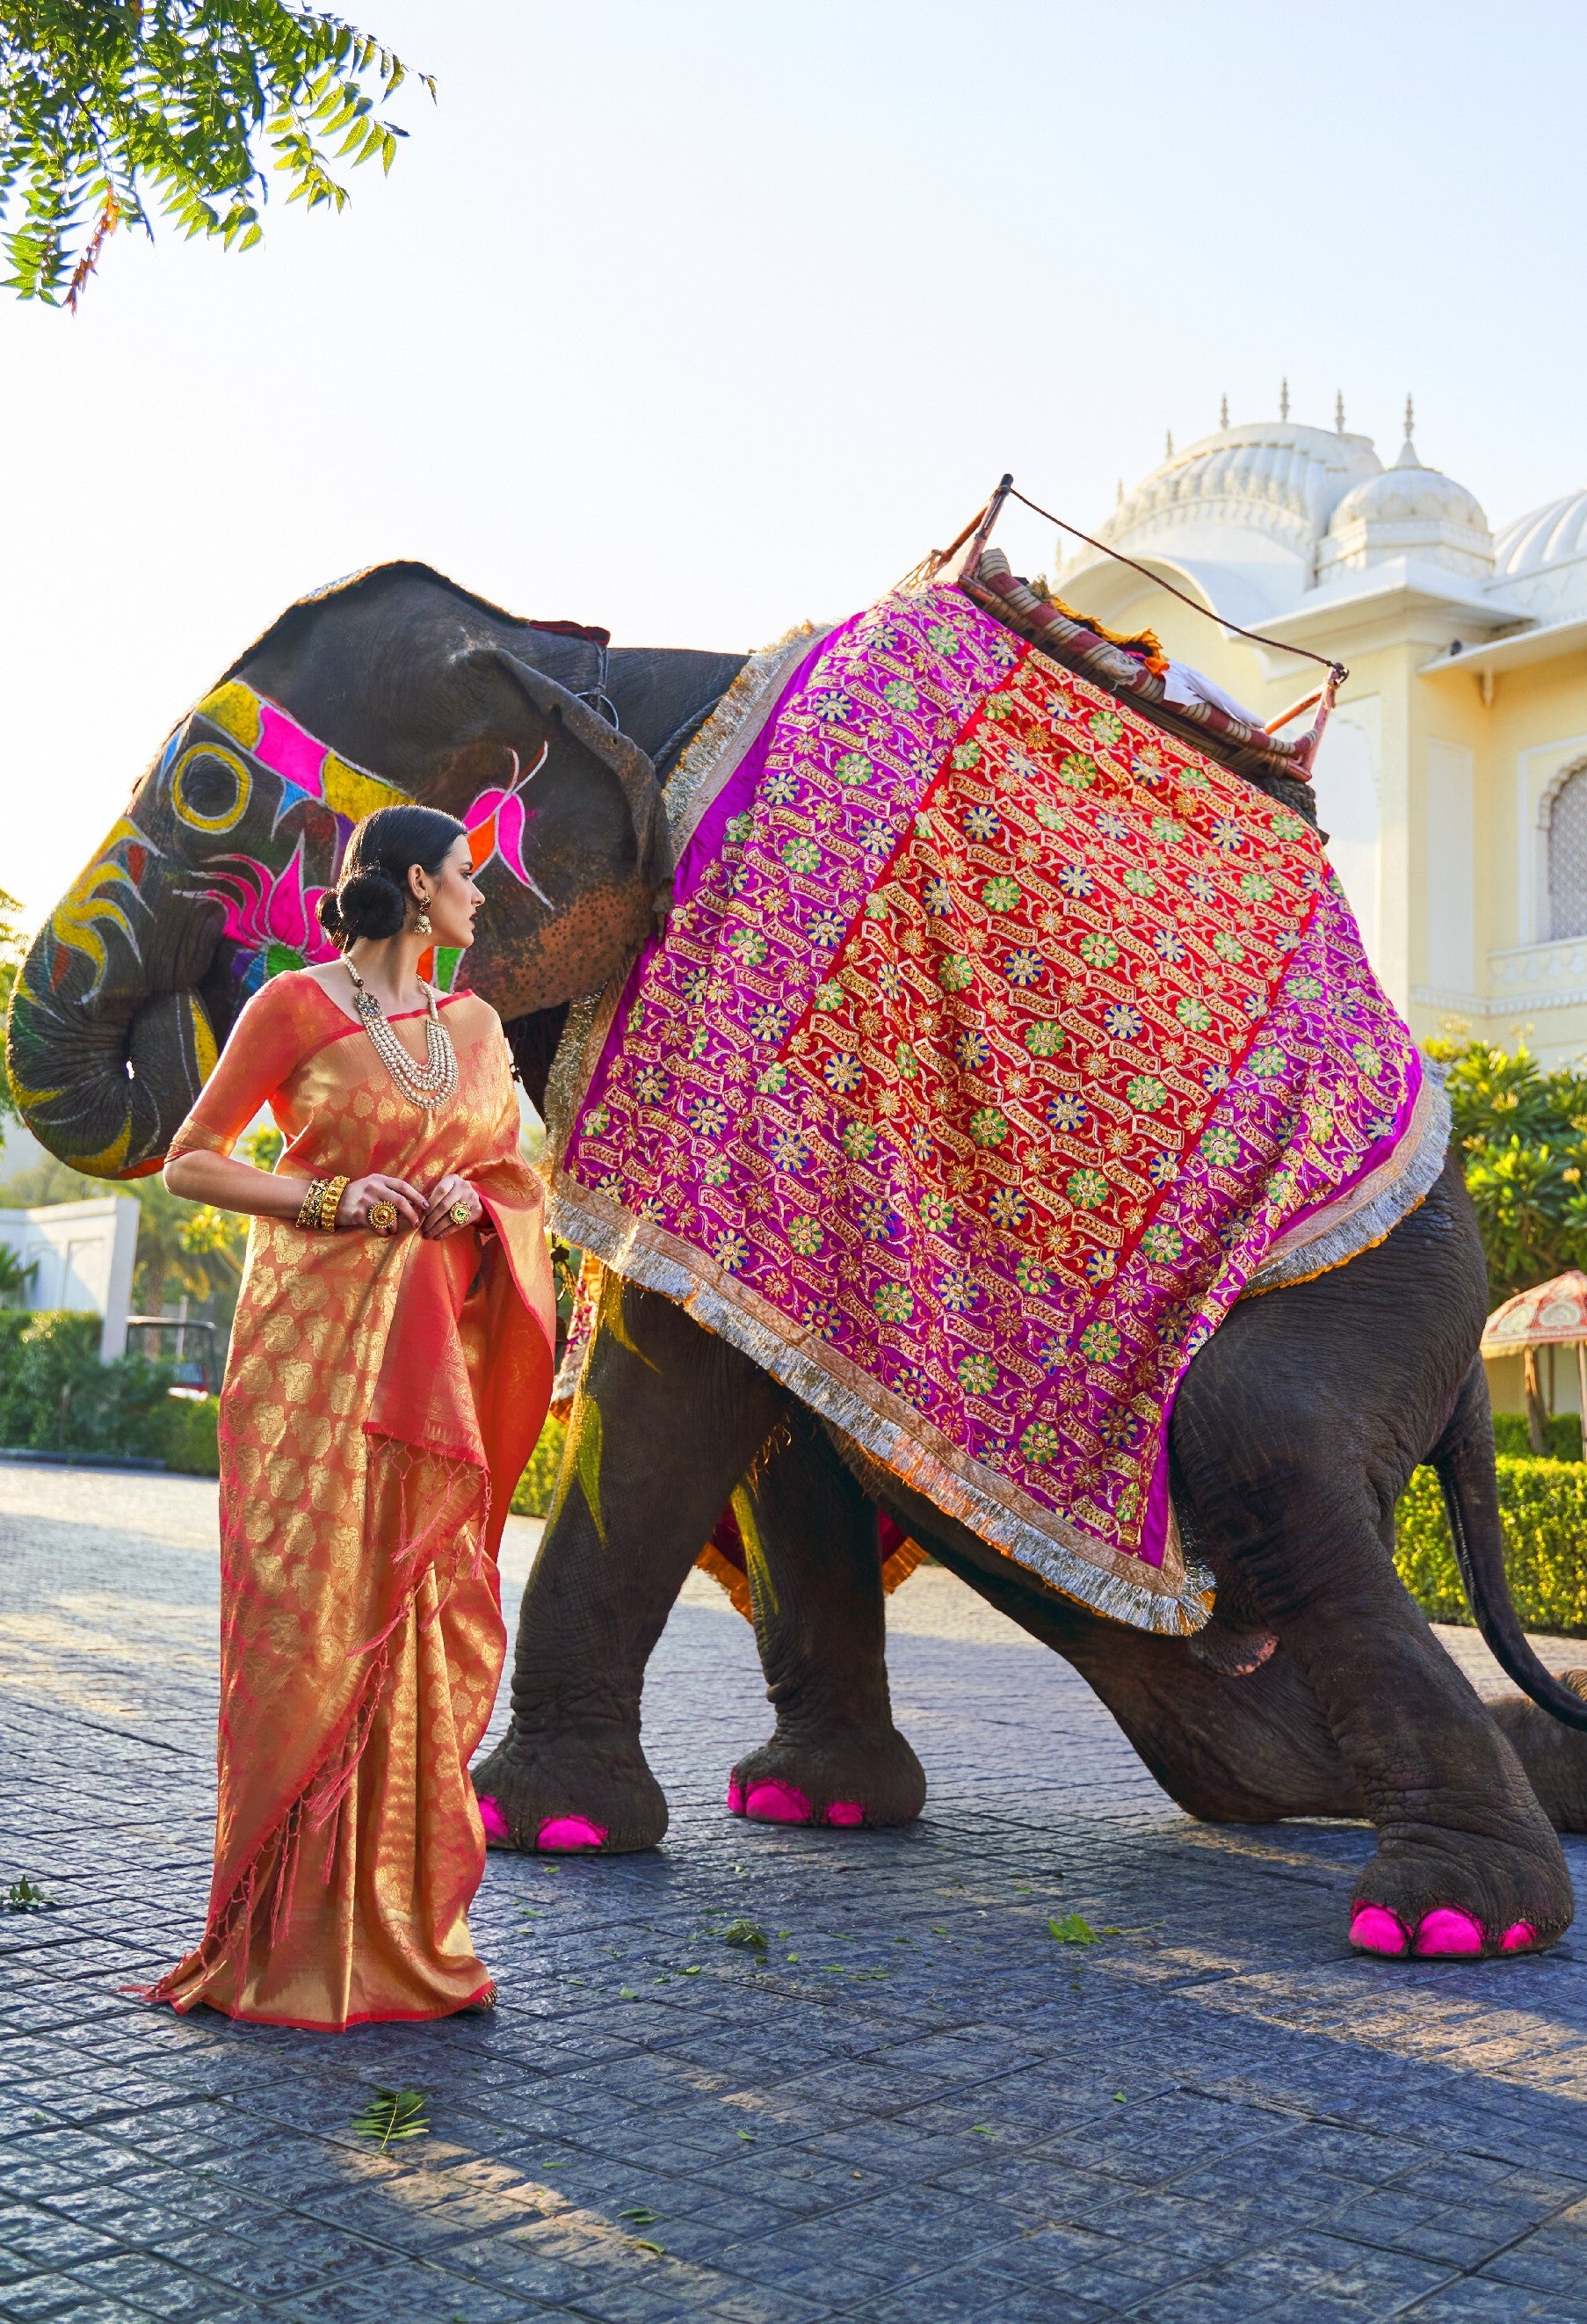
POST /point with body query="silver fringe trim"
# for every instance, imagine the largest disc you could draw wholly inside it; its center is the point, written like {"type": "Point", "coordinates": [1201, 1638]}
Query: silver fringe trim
{"type": "Point", "coordinates": [1390, 1195]}
{"type": "Point", "coordinates": [1070, 1562]}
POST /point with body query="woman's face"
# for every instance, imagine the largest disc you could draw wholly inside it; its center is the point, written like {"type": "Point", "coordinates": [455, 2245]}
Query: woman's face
{"type": "Point", "coordinates": [454, 899]}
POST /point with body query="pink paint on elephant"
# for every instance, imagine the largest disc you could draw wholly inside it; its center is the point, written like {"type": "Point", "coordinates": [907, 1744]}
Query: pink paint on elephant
{"type": "Point", "coordinates": [1374, 1929]}
{"type": "Point", "coordinates": [846, 1811]}
{"type": "Point", "coordinates": [772, 1803]}
{"type": "Point", "coordinates": [1518, 1938]}
{"type": "Point", "coordinates": [495, 1832]}
{"type": "Point", "coordinates": [1447, 1934]}
{"type": "Point", "coordinates": [735, 1797]}
{"type": "Point", "coordinates": [558, 1833]}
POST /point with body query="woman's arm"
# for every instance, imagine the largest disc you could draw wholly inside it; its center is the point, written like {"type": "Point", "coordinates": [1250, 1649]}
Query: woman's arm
{"type": "Point", "coordinates": [202, 1175]}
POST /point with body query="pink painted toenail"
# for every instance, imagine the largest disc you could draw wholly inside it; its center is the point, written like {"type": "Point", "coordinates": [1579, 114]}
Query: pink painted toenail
{"type": "Point", "coordinates": [559, 1833]}
{"type": "Point", "coordinates": [735, 1797]}
{"type": "Point", "coordinates": [772, 1803]}
{"type": "Point", "coordinates": [1447, 1934]}
{"type": "Point", "coordinates": [846, 1811]}
{"type": "Point", "coordinates": [1374, 1929]}
{"type": "Point", "coordinates": [1518, 1938]}
{"type": "Point", "coordinates": [495, 1832]}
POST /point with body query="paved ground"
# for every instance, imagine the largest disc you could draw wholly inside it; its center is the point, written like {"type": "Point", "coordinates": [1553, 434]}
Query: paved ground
{"type": "Point", "coordinates": [921, 2108]}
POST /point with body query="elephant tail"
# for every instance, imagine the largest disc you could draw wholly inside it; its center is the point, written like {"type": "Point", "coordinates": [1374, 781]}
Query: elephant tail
{"type": "Point", "coordinates": [1463, 1458]}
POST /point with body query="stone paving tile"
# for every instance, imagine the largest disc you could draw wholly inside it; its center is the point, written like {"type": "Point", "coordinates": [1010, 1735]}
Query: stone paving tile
{"type": "Point", "coordinates": [929, 2113]}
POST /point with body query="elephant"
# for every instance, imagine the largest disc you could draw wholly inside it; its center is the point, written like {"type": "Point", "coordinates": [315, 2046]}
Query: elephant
{"type": "Point", "coordinates": [1315, 1689]}
{"type": "Point", "coordinates": [207, 882]}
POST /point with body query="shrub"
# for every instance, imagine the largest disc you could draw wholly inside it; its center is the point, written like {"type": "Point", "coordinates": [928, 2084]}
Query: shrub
{"type": "Point", "coordinates": [1543, 1505]}
{"type": "Point", "coordinates": [1562, 1436]}
{"type": "Point", "coordinates": [56, 1396]}
{"type": "Point", "coordinates": [538, 1481]}
{"type": "Point", "coordinates": [192, 1444]}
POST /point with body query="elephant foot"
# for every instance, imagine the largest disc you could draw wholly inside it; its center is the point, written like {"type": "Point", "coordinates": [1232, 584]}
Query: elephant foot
{"type": "Point", "coordinates": [566, 1793]}
{"type": "Point", "coordinates": [1455, 1896]}
{"type": "Point", "coordinates": [844, 1781]}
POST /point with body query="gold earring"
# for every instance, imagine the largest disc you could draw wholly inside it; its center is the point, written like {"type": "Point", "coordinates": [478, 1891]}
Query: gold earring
{"type": "Point", "coordinates": [422, 925]}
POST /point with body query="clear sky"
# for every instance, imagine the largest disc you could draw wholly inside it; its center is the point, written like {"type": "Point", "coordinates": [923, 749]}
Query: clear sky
{"type": "Point", "coordinates": [694, 320]}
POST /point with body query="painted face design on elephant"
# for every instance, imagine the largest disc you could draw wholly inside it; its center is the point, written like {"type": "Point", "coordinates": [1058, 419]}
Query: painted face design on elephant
{"type": "Point", "coordinates": [206, 885]}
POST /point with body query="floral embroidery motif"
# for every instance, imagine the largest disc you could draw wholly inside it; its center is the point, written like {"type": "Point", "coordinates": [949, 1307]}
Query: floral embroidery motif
{"type": "Point", "coordinates": [991, 1051]}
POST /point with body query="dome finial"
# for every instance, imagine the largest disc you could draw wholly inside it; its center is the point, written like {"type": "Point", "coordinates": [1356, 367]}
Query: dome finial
{"type": "Point", "coordinates": [1224, 411]}
{"type": "Point", "coordinates": [1411, 419]}
{"type": "Point", "coordinates": [1339, 412]}
{"type": "Point", "coordinates": [1283, 399]}
{"type": "Point", "coordinates": [1118, 498]}
{"type": "Point", "coordinates": [1168, 434]}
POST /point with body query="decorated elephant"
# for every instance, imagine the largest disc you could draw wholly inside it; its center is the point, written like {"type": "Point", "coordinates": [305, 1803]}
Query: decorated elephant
{"type": "Point", "coordinates": [1301, 1400]}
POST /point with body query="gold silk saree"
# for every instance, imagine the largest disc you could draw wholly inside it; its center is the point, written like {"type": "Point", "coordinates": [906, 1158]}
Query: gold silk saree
{"type": "Point", "coordinates": [381, 1400]}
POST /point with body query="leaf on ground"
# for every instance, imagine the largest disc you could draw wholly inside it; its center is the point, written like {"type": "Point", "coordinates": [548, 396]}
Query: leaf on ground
{"type": "Point", "coordinates": [748, 2135]}
{"type": "Point", "coordinates": [392, 2115]}
{"type": "Point", "coordinates": [626, 1993]}
{"type": "Point", "coordinates": [642, 2242]}
{"type": "Point", "coordinates": [26, 1897]}
{"type": "Point", "coordinates": [641, 2215]}
{"type": "Point", "coordinates": [693, 1971]}
{"type": "Point", "coordinates": [1119, 2098]}
{"type": "Point", "coordinates": [1072, 1929]}
{"type": "Point", "coordinates": [748, 1935]}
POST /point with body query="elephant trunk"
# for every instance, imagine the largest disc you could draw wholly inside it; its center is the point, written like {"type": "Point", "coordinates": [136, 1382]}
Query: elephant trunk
{"type": "Point", "coordinates": [109, 1040]}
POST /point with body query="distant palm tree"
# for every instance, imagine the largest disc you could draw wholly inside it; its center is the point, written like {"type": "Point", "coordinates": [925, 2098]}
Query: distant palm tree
{"type": "Point", "coordinates": [14, 1277]}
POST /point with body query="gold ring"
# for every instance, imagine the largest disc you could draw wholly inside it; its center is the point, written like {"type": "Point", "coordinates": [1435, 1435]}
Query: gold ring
{"type": "Point", "coordinates": [460, 1214]}
{"type": "Point", "coordinates": [382, 1217]}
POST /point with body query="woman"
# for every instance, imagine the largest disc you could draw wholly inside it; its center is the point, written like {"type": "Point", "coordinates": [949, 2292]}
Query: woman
{"type": "Point", "coordinates": [390, 1369]}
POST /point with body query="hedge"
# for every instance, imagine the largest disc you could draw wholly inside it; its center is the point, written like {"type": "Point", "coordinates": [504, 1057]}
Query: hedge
{"type": "Point", "coordinates": [1543, 1505]}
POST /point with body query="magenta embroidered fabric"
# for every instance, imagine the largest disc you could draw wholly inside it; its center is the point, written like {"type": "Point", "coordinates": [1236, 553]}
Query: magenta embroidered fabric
{"type": "Point", "coordinates": [995, 1045]}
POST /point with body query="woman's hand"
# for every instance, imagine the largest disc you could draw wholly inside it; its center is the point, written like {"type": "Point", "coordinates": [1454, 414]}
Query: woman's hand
{"type": "Point", "coordinates": [448, 1194]}
{"type": "Point", "coordinates": [361, 1196]}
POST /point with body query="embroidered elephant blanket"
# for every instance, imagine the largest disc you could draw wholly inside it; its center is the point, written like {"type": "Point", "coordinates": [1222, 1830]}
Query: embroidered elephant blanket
{"type": "Point", "coordinates": [996, 1043]}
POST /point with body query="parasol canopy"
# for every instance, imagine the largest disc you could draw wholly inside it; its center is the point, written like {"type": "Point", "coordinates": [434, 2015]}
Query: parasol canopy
{"type": "Point", "coordinates": [1552, 1315]}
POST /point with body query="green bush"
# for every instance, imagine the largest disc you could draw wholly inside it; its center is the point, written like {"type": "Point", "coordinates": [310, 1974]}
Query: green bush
{"type": "Point", "coordinates": [192, 1444]}
{"type": "Point", "coordinates": [1562, 1436]}
{"type": "Point", "coordinates": [56, 1396]}
{"type": "Point", "coordinates": [538, 1481]}
{"type": "Point", "coordinates": [1543, 1505]}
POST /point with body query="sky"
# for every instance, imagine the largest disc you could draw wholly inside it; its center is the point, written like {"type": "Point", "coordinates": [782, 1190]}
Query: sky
{"type": "Point", "coordinates": [696, 320]}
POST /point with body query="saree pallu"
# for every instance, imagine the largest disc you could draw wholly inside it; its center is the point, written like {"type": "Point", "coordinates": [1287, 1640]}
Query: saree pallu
{"type": "Point", "coordinates": [381, 1400]}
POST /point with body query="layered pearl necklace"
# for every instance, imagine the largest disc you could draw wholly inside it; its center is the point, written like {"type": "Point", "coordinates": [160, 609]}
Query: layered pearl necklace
{"type": "Point", "coordinates": [430, 1084]}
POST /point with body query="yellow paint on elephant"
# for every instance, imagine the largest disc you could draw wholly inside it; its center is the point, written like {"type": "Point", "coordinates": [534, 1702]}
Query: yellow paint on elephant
{"type": "Point", "coordinates": [205, 1052]}
{"type": "Point", "coordinates": [74, 921]}
{"type": "Point", "coordinates": [762, 1588]}
{"type": "Point", "coordinates": [581, 1462]}
{"type": "Point", "coordinates": [354, 794]}
{"type": "Point", "coordinates": [111, 1161]}
{"type": "Point", "coordinates": [233, 708]}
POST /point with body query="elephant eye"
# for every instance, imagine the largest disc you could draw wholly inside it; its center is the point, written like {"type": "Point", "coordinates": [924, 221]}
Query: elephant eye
{"type": "Point", "coordinates": [210, 788]}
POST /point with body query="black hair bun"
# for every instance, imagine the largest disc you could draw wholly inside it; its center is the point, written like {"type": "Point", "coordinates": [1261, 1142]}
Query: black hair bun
{"type": "Point", "coordinates": [367, 904]}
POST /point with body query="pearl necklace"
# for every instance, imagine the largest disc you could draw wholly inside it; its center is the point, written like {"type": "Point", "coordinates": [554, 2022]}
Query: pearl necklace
{"type": "Point", "coordinates": [430, 1084]}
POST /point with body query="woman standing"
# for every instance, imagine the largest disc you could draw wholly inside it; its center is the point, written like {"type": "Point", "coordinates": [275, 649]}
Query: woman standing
{"type": "Point", "coordinates": [389, 1371]}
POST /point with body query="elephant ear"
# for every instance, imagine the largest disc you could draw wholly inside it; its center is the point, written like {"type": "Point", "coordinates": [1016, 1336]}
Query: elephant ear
{"type": "Point", "coordinates": [569, 835]}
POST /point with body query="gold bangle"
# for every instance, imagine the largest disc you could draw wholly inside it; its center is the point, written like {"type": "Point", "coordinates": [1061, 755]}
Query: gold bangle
{"type": "Point", "coordinates": [330, 1204]}
{"type": "Point", "coordinates": [308, 1209]}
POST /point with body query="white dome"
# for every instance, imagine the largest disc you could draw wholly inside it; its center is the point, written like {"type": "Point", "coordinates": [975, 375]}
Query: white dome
{"type": "Point", "coordinates": [1240, 512]}
{"type": "Point", "coordinates": [1541, 559]}
{"type": "Point", "coordinates": [1407, 510]}
{"type": "Point", "coordinates": [1281, 479]}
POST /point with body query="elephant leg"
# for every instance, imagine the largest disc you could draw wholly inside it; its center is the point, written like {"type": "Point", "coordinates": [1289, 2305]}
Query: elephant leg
{"type": "Point", "coordinates": [1295, 1513]}
{"type": "Point", "coordinates": [668, 1419]}
{"type": "Point", "coordinates": [815, 1588]}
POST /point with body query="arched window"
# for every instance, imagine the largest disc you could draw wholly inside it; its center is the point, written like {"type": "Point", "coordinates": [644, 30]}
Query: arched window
{"type": "Point", "coordinates": [1567, 856]}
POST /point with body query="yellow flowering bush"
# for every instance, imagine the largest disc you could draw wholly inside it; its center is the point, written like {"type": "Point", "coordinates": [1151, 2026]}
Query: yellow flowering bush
{"type": "Point", "coordinates": [1543, 1507]}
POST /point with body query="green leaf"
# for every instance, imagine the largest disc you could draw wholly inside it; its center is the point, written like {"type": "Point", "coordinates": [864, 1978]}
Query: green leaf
{"type": "Point", "coordinates": [392, 2115]}
{"type": "Point", "coordinates": [26, 1897]}
{"type": "Point", "coordinates": [641, 2215]}
{"type": "Point", "coordinates": [1073, 1931]}
{"type": "Point", "coordinates": [748, 1935]}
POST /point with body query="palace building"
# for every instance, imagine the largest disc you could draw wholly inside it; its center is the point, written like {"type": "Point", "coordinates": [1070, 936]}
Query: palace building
{"type": "Point", "coordinates": [1453, 779]}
